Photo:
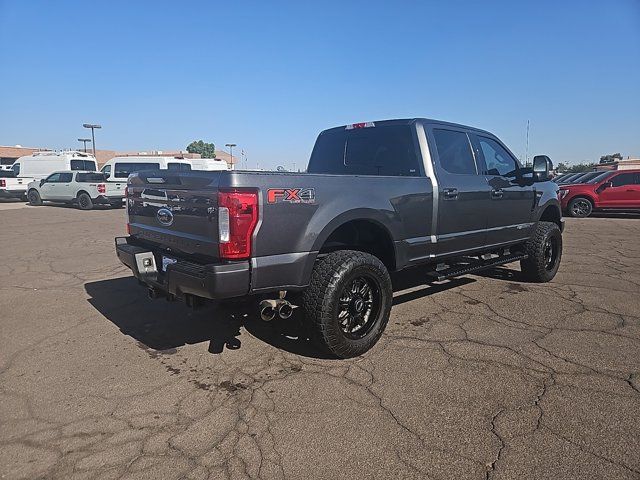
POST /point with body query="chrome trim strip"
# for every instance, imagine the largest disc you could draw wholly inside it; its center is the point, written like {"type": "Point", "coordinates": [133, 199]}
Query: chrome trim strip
{"type": "Point", "coordinates": [430, 171]}
{"type": "Point", "coordinates": [519, 226]}
{"type": "Point", "coordinates": [413, 240]}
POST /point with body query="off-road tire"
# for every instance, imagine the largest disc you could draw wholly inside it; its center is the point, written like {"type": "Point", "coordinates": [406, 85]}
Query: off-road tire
{"type": "Point", "coordinates": [541, 265]}
{"type": "Point", "coordinates": [585, 211]}
{"type": "Point", "coordinates": [84, 201]}
{"type": "Point", "coordinates": [34, 198]}
{"type": "Point", "coordinates": [321, 300]}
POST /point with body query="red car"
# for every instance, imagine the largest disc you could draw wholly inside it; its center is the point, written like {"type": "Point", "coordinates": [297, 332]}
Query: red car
{"type": "Point", "coordinates": [612, 190]}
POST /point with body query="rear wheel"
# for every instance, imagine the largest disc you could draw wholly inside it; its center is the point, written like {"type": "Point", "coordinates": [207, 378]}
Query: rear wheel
{"type": "Point", "coordinates": [84, 201]}
{"type": "Point", "coordinates": [348, 302]}
{"type": "Point", "coordinates": [34, 198]}
{"type": "Point", "coordinates": [544, 251]}
{"type": "Point", "coordinates": [580, 207]}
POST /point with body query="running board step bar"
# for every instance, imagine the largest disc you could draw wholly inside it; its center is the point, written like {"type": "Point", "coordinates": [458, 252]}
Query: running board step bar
{"type": "Point", "coordinates": [444, 272]}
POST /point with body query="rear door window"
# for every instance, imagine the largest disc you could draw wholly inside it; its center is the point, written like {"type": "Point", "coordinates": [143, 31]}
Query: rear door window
{"type": "Point", "coordinates": [123, 170]}
{"type": "Point", "coordinates": [454, 152]}
{"type": "Point", "coordinates": [88, 165]}
{"type": "Point", "coordinates": [66, 177]}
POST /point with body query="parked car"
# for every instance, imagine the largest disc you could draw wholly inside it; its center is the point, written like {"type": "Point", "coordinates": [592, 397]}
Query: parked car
{"type": "Point", "coordinates": [85, 189]}
{"type": "Point", "coordinates": [613, 190]}
{"type": "Point", "coordinates": [377, 197]}
{"type": "Point", "coordinates": [39, 165]}
{"type": "Point", "coordinates": [570, 178]}
{"type": "Point", "coordinates": [119, 168]}
{"type": "Point", "coordinates": [559, 178]}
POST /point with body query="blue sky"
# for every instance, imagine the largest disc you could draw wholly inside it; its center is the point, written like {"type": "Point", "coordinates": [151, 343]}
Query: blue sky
{"type": "Point", "coordinates": [270, 75]}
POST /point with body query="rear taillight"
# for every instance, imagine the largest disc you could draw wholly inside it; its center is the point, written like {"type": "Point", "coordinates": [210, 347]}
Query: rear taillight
{"type": "Point", "coordinates": [3, 183]}
{"type": "Point", "coordinates": [237, 220]}
{"type": "Point", "coordinates": [102, 188]}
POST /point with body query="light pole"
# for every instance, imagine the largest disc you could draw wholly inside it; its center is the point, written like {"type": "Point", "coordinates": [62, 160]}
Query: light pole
{"type": "Point", "coordinates": [231, 145]}
{"type": "Point", "coordinates": [84, 141]}
{"type": "Point", "coordinates": [93, 137]}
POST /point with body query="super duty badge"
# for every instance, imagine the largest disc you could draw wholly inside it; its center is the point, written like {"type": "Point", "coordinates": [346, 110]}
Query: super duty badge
{"type": "Point", "coordinates": [291, 195]}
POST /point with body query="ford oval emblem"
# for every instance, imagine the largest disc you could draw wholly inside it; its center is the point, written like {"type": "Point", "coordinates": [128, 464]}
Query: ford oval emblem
{"type": "Point", "coordinates": [164, 216]}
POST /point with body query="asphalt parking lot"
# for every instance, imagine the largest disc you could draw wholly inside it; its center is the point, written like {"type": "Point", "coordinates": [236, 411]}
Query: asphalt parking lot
{"type": "Point", "coordinates": [483, 377]}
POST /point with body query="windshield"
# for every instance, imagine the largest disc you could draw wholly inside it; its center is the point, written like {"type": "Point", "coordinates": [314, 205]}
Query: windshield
{"type": "Point", "coordinates": [601, 176]}
{"type": "Point", "coordinates": [585, 178]}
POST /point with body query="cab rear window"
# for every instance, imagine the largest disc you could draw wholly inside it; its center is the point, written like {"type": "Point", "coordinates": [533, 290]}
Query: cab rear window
{"type": "Point", "coordinates": [387, 150]}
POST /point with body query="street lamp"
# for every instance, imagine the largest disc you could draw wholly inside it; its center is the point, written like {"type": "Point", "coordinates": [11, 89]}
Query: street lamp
{"type": "Point", "coordinates": [84, 141]}
{"type": "Point", "coordinates": [231, 145]}
{"type": "Point", "coordinates": [93, 137]}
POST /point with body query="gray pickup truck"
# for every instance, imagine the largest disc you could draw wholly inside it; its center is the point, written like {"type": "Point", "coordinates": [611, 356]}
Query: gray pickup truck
{"type": "Point", "coordinates": [377, 197]}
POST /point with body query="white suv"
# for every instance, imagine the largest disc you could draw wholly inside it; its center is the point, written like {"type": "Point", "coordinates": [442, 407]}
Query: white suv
{"type": "Point", "coordinates": [82, 188]}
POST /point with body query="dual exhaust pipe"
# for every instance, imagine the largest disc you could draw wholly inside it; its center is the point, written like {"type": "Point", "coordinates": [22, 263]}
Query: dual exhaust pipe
{"type": "Point", "coordinates": [270, 308]}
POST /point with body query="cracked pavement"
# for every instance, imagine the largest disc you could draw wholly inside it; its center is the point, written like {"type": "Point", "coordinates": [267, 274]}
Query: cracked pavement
{"type": "Point", "coordinates": [484, 377]}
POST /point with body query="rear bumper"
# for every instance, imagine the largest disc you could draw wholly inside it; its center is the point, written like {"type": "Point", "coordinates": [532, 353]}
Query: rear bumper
{"type": "Point", "coordinates": [109, 199]}
{"type": "Point", "coordinates": [11, 193]}
{"type": "Point", "coordinates": [213, 281]}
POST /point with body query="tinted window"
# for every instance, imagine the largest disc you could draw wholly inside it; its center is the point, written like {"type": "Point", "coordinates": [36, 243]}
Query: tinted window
{"type": "Point", "coordinates": [623, 179]}
{"type": "Point", "coordinates": [588, 176]}
{"type": "Point", "coordinates": [90, 177]}
{"type": "Point", "coordinates": [106, 170]}
{"type": "Point", "coordinates": [380, 150]}
{"type": "Point", "coordinates": [123, 170]}
{"type": "Point", "coordinates": [180, 167]}
{"type": "Point", "coordinates": [454, 152]}
{"type": "Point", "coordinates": [496, 159]}
{"type": "Point", "coordinates": [601, 176]}
{"type": "Point", "coordinates": [54, 178]}
{"type": "Point", "coordinates": [83, 165]}
{"type": "Point", "coordinates": [16, 168]}
{"type": "Point", "coordinates": [66, 177]}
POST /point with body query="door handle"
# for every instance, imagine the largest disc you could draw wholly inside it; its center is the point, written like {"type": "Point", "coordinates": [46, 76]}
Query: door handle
{"type": "Point", "coordinates": [450, 193]}
{"type": "Point", "coordinates": [497, 193]}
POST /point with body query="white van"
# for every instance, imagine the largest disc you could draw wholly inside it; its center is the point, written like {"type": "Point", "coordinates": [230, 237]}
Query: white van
{"type": "Point", "coordinates": [40, 165]}
{"type": "Point", "coordinates": [118, 169]}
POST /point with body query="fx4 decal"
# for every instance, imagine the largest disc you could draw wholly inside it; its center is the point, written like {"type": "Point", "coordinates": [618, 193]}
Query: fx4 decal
{"type": "Point", "coordinates": [291, 195]}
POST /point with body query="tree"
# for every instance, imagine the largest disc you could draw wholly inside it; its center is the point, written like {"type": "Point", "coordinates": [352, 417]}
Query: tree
{"type": "Point", "coordinates": [562, 167]}
{"type": "Point", "coordinates": [610, 158]}
{"type": "Point", "coordinates": [206, 150]}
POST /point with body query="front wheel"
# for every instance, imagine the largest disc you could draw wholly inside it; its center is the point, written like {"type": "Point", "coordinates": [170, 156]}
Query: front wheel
{"type": "Point", "coordinates": [580, 207]}
{"type": "Point", "coordinates": [348, 302]}
{"type": "Point", "coordinates": [84, 201]}
{"type": "Point", "coordinates": [544, 250]}
{"type": "Point", "coordinates": [34, 198]}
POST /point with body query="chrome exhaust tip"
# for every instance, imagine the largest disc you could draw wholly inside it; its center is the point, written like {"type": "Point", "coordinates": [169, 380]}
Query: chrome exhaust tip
{"type": "Point", "coordinates": [267, 310]}
{"type": "Point", "coordinates": [285, 310]}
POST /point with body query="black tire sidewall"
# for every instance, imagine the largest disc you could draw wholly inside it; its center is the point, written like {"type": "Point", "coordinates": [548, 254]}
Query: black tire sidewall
{"type": "Point", "coordinates": [343, 267]}
{"type": "Point", "coordinates": [384, 299]}
{"type": "Point", "coordinates": [577, 199]}
{"type": "Point", "coordinates": [534, 266]}
{"type": "Point", "coordinates": [36, 198]}
{"type": "Point", "coordinates": [89, 205]}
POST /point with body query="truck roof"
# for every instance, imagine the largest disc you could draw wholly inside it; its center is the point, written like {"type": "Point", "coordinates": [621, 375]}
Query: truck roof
{"type": "Point", "coordinates": [406, 121]}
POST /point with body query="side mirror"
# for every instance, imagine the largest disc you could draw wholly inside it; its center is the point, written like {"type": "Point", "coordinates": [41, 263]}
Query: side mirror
{"type": "Point", "coordinates": [42, 182]}
{"type": "Point", "coordinates": [542, 165]}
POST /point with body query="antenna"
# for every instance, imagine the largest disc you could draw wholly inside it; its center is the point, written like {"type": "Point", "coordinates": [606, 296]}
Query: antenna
{"type": "Point", "coordinates": [526, 156]}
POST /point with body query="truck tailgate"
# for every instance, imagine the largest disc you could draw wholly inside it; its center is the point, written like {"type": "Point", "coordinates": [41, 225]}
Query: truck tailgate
{"type": "Point", "coordinates": [115, 189]}
{"type": "Point", "coordinates": [175, 211]}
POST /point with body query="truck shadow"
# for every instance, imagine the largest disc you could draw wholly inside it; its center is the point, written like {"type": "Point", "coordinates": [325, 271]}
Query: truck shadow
{"type": "Point", "coordinates": [161, 326]}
